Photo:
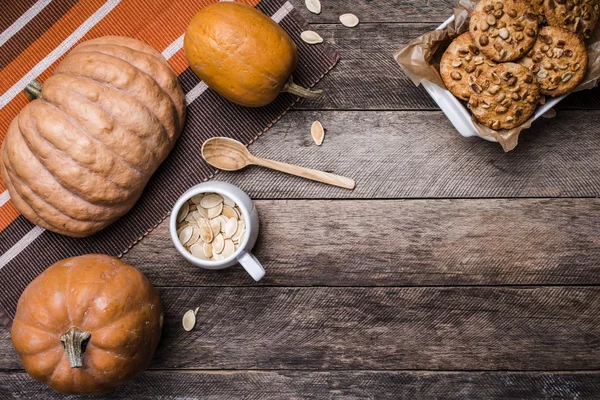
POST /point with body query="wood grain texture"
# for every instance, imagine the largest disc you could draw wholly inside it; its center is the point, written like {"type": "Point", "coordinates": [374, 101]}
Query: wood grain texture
{"type": "Point", "coordinates": [403, 243]}
{"type": "Point", "coordinates": [368, 78]}
{"type": "Point", "coordinates": [420, 155]}
{"type": "Point", "coordinates": [469, 328]}
{"type": "Point", "coordinates": [319, 385]}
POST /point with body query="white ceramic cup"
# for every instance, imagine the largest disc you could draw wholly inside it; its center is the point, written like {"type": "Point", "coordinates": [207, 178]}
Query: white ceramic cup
{"type": "Point", "coordinates": [242, 255]}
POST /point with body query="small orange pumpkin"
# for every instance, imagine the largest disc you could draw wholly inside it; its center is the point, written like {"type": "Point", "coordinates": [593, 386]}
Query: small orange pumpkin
{"type": "Point", "coordinates": [87, 324]}
{"type": "Point", "coordinates": [242, 54]}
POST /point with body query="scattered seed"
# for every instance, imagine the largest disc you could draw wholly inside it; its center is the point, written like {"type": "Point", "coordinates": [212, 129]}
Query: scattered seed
{"type": "Point", "coordinates": [311, 37]}
{"type": "Point", "coordinates": [189, 320]}
{"type": "Point", "coordinates": [551, 113]}
{"type": "Point", "coordinates": [314, 6]}
{"type": "Point", "coordinates": [317, 132]}
{"type": "Point", "coordinates": [349, 20]}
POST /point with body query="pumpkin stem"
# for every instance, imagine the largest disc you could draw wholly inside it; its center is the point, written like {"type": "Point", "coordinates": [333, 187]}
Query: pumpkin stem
{"type": "Point", "coordinates": [73, 342]}
{"type": "Point", "coordinates": [292, 88]}
{"type": "Point", "coordinates": [34, 90]}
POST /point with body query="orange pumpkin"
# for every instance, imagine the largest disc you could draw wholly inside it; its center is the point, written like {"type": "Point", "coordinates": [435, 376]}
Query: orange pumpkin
{"type": "Point", "coordinates": [78, 158]}
{"type": "Point", "coordinates": [242, 54]}
{"type": "Point", "coordinates": [87, 324]}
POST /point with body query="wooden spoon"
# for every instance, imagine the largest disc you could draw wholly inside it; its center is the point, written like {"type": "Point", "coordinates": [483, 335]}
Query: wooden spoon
{"type": "Point", "coordinates": [230, 155]}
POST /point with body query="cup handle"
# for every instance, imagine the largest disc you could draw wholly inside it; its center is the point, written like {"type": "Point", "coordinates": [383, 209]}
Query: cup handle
{"type": "Point", "coordinates": [252, 266]}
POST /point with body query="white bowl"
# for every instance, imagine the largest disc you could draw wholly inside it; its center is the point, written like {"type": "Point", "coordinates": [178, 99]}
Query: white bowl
{"type": "Point", "coordinates": [458, 114]}
{"type": "Point", "coordinates": [242, 255]}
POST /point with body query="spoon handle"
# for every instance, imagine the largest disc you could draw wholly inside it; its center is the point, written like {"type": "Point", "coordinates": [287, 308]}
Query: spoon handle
{"type": "Point", "coordinates": [313, 174]}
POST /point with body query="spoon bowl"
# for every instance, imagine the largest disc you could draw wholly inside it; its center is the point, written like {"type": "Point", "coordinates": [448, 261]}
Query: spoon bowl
{"type": "Point", "coordinates": [226, 154]}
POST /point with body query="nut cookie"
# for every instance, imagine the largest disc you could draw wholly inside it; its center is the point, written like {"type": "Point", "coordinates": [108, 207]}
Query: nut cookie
{"type": "Point", "coordinates": [558, 59]}
{"type": "Point", "coordinates": [504, 32]}
{"type": "Point", "coordinates": [505, 96]}
{"type": "Point", "coordinates": [461, 64]}
{"type": "Point", "coordinates": [578, 16]}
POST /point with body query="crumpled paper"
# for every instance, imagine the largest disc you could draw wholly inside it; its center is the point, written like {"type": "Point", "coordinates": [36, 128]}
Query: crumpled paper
{"type": "Point", "coordinates": [420, 60]}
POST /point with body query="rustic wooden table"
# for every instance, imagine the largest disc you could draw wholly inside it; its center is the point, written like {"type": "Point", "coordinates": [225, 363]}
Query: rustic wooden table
{"type": "Point", "coordinates": [453, 271]}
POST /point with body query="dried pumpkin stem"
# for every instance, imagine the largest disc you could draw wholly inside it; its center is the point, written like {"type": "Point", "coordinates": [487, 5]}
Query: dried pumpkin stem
{"type": "Point", "coordinates": [73, 341]}
{"type": "Point", "coordinates": [34, 90]}
{"type": "Point", "coordinates": [292, 88]}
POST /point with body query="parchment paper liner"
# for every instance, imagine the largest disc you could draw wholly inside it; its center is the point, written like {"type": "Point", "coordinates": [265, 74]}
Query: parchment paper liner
{"type": "Point", "coordinates": [420, 60]}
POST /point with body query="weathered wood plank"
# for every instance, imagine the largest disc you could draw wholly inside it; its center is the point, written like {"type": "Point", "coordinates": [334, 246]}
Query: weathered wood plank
{"type": "Point", "coordinates": [368, 78]}
{"type": "Point", "coordinates": [469, 328]}
{"type": "Point", "coordinates": [403, 243]}
{"type": "Point", "coordinates": [420, 155]}
{"type": "Point", "coordinates": [369, 11]}
{"type": "Point", "coordinates": [318, 385]}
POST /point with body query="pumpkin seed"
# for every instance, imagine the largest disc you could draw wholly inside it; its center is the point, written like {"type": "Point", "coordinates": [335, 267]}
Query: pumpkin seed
{"type": "Point", "coordinates": [186, 234]}
{"type": "Point", "coordinates": [349, 20]}
{"type": "Point", "coordinates": [311, 37]}
{"type": "Point", "coordinates": [230, 212]}
{"type": "Point", "coordinates": [206, 232]}
{"type": "Point", "coordinates": [228, 202]}
{"type": "Point", "coordinates": [231, 227]}
{"type": "Point", "coordinates": [317, 132]}
{"type": "Point", "coordinates": [183, 212]}
{"type": "Point", "coordinates": [196, 310]}
{"type": "Point", "coordinates": [189, 320]}
{"type": "Point", "coordinates": [197, 198]}
{"type": "Point", "coordinates": [214, 211]}
{"type": "Point", "coordinates": [314, 6]}
{"type": "Point", "coordinates": [218, 243]}
{"type": "Point", "coordinates": [202, 211]}
{"type": "Point", "coordinates": [197, 250]}
{"type": "Point", "coordinates": [207, 248]}
{"type": "Point", "coordinates": [228, 248]}
{"type": "Point", "coordinates": [240, 231]}
{"type": "Point", "coordinates": [211, 200]}
{"type": "Point", "coordinates": [195, 236]}
{"type": "Point", "coordinates": [215, 227]}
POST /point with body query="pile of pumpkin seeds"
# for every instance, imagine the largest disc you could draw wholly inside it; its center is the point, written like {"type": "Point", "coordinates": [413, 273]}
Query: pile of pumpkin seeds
{"type": "Point", "coordinates": [210, 226]}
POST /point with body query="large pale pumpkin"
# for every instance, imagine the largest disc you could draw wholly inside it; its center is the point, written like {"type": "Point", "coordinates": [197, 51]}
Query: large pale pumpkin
{"type": "Point", "coordinates": [242, 54]}
{"type": "Point", "coordinates": [78, 158]}
{"type": "Point", "coordinates": [87, 324]}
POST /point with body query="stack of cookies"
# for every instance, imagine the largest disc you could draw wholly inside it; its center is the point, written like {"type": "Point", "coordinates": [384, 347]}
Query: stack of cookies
{"type": "Point", "coordinates": [510, 57]}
